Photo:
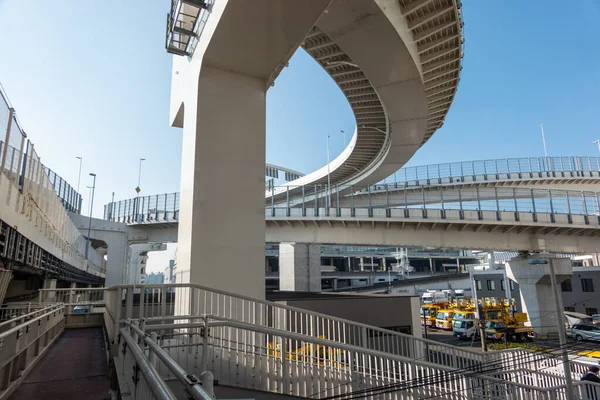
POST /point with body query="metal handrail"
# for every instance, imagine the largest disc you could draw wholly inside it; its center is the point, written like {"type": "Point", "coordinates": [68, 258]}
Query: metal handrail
{"type": "Point", "coordinates": [31, 314]}
{"type": "Point", "coordinates": [157, 385]}
{"type": "Point", "coordinates": [476, 354]}
{"type": "Point", "coordinates": [192, 384]}
{"type": "Point", "coordinates": [49, 311]}
{"type": "Point", "coordinates": [458, 373]}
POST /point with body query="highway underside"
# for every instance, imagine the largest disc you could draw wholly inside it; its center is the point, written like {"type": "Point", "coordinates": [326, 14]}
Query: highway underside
{"type": "Point", "coordinates": [74, 367]}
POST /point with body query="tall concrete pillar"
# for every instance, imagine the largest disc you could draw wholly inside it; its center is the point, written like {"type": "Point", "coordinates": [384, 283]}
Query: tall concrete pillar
{"type": "Point", "coordinates": [300, 267]}
{"type": "Point", "coordinates": [116, 259]}
{"type": "Point", "coordinates": [223, 185]}
{"type": "Point", "coordinates": [491, 260]}
{"type": "Point", "coordinates": [218, 96]}
{"type": "Point", "coordinates": [362, 263]}
{"type": "Point", "coordinates": [50, 284]}
{"type": "Point", "coordinates": [537, 297]}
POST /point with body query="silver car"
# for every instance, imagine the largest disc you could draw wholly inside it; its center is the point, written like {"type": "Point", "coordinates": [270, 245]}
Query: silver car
{"type": "Point", "coordinates": [585, 332]}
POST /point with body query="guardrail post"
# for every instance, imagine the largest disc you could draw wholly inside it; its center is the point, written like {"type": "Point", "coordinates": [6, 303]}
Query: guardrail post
{"type": "Point", "coordinates": [303, 204]}
{"type": "Point", "coordinates": [11, 113]}
{"type": "Point", "coordinates": [153, 357]}
{"type": "Point", "coordinates": [535, 219]}
{"type": "Point", "coordinates": [569, 216]}
{"type": "Point", "coordinates": [287, 200]}
{"type": "Point", "coordinates": [585, 210]}
{"type": "Point", "coordinates": [353, 209]}
{"type": "Point", "coordinates": [388, 212]}
{"type": "Point", "coordinates": [369, 196]}
{"type": "Point", "coordinates": [338, 210]}
{"type": "Point", "coordinates": [516, 206]}
{"type": "Point", "coordinates": [461, 213]}
{"type": "Point", "coordinates": [498, 213]}
{"type": "Point", "coordinates": [552, 216]}
{"type": "Point", "coordinates": [316, 205]}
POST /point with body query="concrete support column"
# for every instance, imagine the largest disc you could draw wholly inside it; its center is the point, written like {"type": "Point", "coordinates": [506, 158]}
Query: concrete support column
{"type": "Point", "coordinates": [431, 265]}
{"type": "Point", "coordinates": [537, 297]}
{"type": "Point", "coordinates": [362, 264]}
{"type": "Point", "coordinates": [491, 260]}
{"type": "Point", "coordinates": [223, 184]}
{"type": "Point", "coordinates": [300, 267]}
{"type": "Point", "coordinates": [138, 254]}
{"type": "Point", "coordinates": [50, 284]}
{"type": "Point", "coordinates": [116, 260]}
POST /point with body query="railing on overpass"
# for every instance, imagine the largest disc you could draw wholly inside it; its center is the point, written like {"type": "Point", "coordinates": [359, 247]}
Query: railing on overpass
{"type": "Point", "coordinates": [505, 204]}
{"type": "Point", "coordinates": [513, 167]}
{"type": "Point", "coordinates": [259, 345]}
{"type": "Point", "coordinates": [23, 340]}
{"type": "Point", "coordinates": [41, 199]}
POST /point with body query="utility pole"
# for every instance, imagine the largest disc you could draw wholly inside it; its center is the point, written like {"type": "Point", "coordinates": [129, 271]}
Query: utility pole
{"type": "Point", "coordinates": [544, 140]}
{"type": "Point", "coordinates": [87, 245]}
{"type": "Point", "coordinates": [478, 312]}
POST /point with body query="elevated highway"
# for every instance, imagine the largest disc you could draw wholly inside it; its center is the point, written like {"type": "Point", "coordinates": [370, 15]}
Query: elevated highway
{"type": "Point", "coordinates": [37, 237]}
{"type": "Point", "coordinates": [397, 63]}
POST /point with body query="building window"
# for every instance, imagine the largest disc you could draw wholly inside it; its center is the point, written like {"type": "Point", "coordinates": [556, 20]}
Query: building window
{"type": "Point", "coordinates": [478, 283]}
{"type": "Point", "coordinates": [591, 311]}
{"type": "Point", "coordinates": [566, 286]}
{"type": "Point", "coordinates": [502, 285]}
{"type": "Point", "coordinates": [587, 285]}
{"type": "Point", "coordinates": [572, 309]}
{"type": "Point", "coordinates": [491, 285]}
{"type": "Point", "coordinates": [511, 284]}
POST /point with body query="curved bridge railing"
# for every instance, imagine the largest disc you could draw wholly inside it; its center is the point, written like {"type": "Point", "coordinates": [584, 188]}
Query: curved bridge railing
{"type": "Point", "coordinates": [165, 207]}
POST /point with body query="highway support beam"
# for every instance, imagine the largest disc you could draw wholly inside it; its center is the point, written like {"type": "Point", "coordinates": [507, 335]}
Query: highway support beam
{"type": "Point", "coordinates": [300, 267]}
{"type": "Point", "coordinates": [218, 97]}
{"type": "Point", "coordinates": [537, 296]}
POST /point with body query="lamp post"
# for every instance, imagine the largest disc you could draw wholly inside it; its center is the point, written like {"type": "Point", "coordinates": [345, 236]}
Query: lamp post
{"type": "Point", "coordinates": [138, 189]}
{"type": "Point", "coordinates": [328, 177]}
{"type": "Point", "coordinates": [344, 133]}
{"type": "Point", "coordinates": [87, 245]}
{"type": "Point", "coordinates": [597, 141]}
{"type": "Point", "coordinates": [562, 335]}
{"type": "Point", "coordinates": [543, 140]}
{"type": "Point", "coordinates": [79, 176]}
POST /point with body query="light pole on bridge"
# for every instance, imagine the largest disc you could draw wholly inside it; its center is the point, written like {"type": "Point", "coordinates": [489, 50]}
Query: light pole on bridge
{"type": "Point", "coordinates": [87, 244]}
{"type": "Point", "coordinates": [597, 141]}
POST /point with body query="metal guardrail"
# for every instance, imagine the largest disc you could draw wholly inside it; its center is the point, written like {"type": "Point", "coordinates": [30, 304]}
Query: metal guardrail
{"type": "Point", "coordinates": [290, 363]}
{"type": "Point", "coordinates": [23, 341]}
{"type": "Point", "coordinates": [504, 204]}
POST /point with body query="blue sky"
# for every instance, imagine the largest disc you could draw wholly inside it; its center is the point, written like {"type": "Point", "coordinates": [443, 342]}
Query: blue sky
{"type": "Point", "coordinates": [91, 78]}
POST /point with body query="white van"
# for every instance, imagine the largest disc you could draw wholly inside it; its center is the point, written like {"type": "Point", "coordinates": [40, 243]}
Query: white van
{"type": "Point", "coordinates": [434, 297]}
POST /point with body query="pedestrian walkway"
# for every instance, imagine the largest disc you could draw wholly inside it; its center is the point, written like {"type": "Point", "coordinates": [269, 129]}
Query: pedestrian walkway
{"type": "Point", "coordinates": [74, 367]}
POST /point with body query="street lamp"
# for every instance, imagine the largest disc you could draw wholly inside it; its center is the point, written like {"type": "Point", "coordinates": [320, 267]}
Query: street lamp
{"type": "Point", "coordinates": [138, 189]}
{"type": "Point", "coordinates": [344, 133]}
{"type": "Point", "coordinates": [79, 176]}
{"type": "Point", "coordinates": [544, 140]}
{"type": "Point", "coordinates": [562, 335]}
{"type": "Point", "coordinates": [87, 245]}
{"type": "Point", "coordinates": [597, 141]}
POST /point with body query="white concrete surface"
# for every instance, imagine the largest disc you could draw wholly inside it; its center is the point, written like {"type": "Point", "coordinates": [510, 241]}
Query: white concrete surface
{"type": "Point", "coordinates": [219, 98]}
{"type": "Point", "coordinates": [537, 297]}
{"type": "Point", "coordinates": [300, 267]}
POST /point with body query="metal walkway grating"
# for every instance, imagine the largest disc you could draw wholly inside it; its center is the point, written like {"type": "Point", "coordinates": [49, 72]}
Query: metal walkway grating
{"type": "Point", "coordinates": [73, 368]}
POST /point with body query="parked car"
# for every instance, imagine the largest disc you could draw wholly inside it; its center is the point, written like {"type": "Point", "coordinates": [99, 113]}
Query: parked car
{"type": "Point", "coordinates": [585, 332]}
{"type": "Point", "coordinates": [81, 310]}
